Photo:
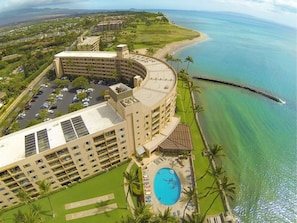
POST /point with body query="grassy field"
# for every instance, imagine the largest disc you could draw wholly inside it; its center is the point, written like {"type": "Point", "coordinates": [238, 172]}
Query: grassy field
{"type": "Point", "coordinates": [200, 163]}
{"type": "Point", "coordinates": [155, 35]}
{"type": "Point", "coordinates": [110, 182]}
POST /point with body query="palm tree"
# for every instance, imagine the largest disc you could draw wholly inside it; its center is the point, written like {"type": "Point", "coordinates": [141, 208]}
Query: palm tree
{"type": "Point", "coordinates": [45, 188]}
{"type": "Point", "coordinates": [216, 173]}
{"type": "Point", "coordinates": [169, 58]}
{"type": "Point", "coordinates": [226, 189]}
{"type": "Point", "coordinates": [19, 217]}
{"type": "Point", "coordinates": [131, 179]}
{"type": "Point", "coordinates": [24, 197]}
{"type": "Point", "coordinates": [196, 109]}
{"type": "Point", "coordinates": [189, 60]}
{"type": "Point", "coordinates": [192, 88]}
{"type": "Point", "coordinates": [165, 217]}
{"type": "Point", "coordinates": [214, 152]}
{"type": "Point", "coordinates": [190, 195]}
{"type": "Point", "coordinates": [142, 213]}
{"type": "Point", "coordinates": [194, 218]}
{"type": "Point", "coordinates": [177, 61]}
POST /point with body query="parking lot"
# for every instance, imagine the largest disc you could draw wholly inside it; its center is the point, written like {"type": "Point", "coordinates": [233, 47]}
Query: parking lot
{"type": "Point", "coordinates": [62, 101]}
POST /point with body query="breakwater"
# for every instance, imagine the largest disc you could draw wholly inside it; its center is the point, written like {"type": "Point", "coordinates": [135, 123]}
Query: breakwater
{"type": "Point", "coordinates": [257, 91]}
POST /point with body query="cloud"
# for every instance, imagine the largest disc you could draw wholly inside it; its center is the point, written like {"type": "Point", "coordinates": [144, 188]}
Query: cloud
{"type": "Point", "coordinates": [19, 4]}
{"type": "Point", "coordinates": [286, 5]}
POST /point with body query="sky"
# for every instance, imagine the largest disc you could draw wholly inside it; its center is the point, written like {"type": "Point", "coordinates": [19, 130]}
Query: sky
{"type": "Point", "coordinates": [280, 11]}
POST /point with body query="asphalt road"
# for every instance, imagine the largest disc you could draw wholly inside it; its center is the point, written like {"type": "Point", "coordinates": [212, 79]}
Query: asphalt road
{"type": "Point", "coordinates": [62, 105]}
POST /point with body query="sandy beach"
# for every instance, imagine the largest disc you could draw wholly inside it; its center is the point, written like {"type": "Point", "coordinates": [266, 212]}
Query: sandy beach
{"type": "Point", "coordinates": [172, 48]}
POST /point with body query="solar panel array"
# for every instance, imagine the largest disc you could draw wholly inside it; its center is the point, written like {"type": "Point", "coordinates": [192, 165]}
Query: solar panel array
{"type": "Point", "coordinates": [80, 126]}
{"type": "Point", "coordinates": [42, 139]}
{"type": "Point", "coordinates": [72, 129]}
{"type": "Point", "coordinates": [68, 130]}
{"type": "Point", "coordinates": [30, 145]}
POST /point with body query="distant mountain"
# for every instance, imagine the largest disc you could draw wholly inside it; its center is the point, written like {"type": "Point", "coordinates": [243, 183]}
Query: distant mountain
{"type": "Point", "coordinates": [32, 14]}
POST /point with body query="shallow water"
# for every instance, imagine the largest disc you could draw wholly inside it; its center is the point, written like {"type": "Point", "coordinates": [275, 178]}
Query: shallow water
{"type": "Point", "coordinates": [258, 134]}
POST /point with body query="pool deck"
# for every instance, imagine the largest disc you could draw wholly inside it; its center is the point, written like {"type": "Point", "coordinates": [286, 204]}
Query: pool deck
{"type": "Point", "coordinates": [184, 171]}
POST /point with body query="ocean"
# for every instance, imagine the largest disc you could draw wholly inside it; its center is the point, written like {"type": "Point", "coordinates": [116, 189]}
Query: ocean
{"type": "Point", "coordinates": [258, 135]}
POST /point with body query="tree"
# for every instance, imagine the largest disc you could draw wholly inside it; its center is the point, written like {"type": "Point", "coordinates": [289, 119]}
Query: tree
{"type": "Point", "coordinates": [194, 218]}
{"type": "Point", "coordinates": [131, 179]}
{"type": "Point", "coordinates": [82, 95]}
{"type": "Point", "coordinates": [169, 58]}
{"type": "Point", "coordinates": [196, 109]}
{"type": "Point", "coordinates": [115, 75]}
{"type": "Point", "coordinates": [166, 217]}
{"type": "Point", "coordinates": [75, 106]}
{"type": "Point", "coordinates": [216, 173]}
{"type": "Point", "coordinates": [177, 61]}
{"type": "Point", "coordinates": [189, 60]}
{"type": "Point", "coordinates": [61, 83]}
{"type": "Point", "coordinates": [192, 88]}
{"type": "Point", "coordinates": [43, 114]}
{"type": "Point", "coordinates": [214, 152]}
{"type": "Point", "coordinates": [44, 189]}
{"type": "Point", "coordinates": [225, 188]}
{"type": "Point", "coordinates": [80, 82]}
{"type": "Point", "coordinates": [24, 197]}
{"type": "Point", "coordinates": [190, 195]}
{"type": "Point", "coordinates": [142, 213]}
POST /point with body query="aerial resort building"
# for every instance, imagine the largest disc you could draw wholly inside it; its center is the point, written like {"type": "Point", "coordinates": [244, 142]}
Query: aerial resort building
{"type": "Point", "coordinates": [133, 121]}
{"type": "Point", "coordinates": [90, 43]}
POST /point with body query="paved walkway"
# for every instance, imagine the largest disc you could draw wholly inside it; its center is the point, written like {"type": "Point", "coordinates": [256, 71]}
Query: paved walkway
{"type": "Point", "coordinates": [129, 200]}
{"type": "Point", "coordinates": [91, 212]}
{"type": "Point", "coordinates": [89, 201]}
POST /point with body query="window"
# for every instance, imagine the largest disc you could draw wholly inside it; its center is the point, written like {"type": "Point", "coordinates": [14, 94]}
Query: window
{"type": "Point", "coordinates": [42, 167]}
{"type": "Point", "coordinates": [88, 149]}
{"type": "Point", "coordinates": [30, 171]}
{"type": "Point", "coordinates": [46, 172]}
{"type": "Point", "coordinates": [76, 154]}
{"type": "Point", "coordinates": [74, 147]}
{"type": "Point", "coordinates": [27, 165]}
{"type": "Point", "coordinates": [38, 161]}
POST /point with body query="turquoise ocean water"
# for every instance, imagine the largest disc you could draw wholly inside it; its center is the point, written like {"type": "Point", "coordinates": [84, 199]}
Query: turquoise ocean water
{"type": "Point", "coordinates": [258, 134]}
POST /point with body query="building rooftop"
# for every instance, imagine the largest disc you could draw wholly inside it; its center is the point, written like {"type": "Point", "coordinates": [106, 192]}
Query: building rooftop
{"type": "Point", "coordinates": [56, 132]}
{"type": "Point", "coordinates": [87, 54]}
{"type": "Point", "coordinates": [89, 40]}
{"type": "Point", "coordinates": [158, 83]}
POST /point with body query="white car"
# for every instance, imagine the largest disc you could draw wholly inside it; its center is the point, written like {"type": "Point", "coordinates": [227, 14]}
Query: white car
{"type": "Point", "coordinates": [50, 111]}
{"type": "Point", "coordinates": [86, 104]}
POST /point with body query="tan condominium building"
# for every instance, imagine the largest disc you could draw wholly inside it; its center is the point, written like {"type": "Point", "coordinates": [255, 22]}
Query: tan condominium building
{"type": "Point", "coordinates": [90, 43]}
{"type": "Point", "coordinates": [109, 25]}
{"type": "Point", "coordinates": [82, 143]}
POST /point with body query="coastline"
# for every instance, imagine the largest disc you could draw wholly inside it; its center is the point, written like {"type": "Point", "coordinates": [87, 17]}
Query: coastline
{"type": "Point", "coordinates": [172, 48]}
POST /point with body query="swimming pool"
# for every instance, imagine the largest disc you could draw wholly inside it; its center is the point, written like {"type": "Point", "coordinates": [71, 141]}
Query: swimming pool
{"type": "Point", "coordinates": [167, 186]}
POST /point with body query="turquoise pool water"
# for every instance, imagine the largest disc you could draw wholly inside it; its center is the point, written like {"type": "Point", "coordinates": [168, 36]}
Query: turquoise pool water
{"type": "Point", "coordinates": [167, 186]}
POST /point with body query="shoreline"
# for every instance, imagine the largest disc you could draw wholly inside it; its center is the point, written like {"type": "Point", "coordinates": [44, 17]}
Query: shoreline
{"type": "Point", "coordinates": [174, 47]}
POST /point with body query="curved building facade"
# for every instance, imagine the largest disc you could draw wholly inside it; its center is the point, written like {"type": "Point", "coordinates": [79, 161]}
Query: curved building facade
{"type": "Point", "coordinates": [80, 144]}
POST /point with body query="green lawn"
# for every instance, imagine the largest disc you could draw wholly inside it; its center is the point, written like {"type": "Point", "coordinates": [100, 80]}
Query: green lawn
{"type": "Point", "coordinates": [200, 163]}
{"type": "Point", "coordinates": [110, 182]}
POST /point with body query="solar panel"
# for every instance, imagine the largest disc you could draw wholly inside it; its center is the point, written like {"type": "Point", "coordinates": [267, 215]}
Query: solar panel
{"type": "Point", "coordinates": [30, 145]}
{"type": "Point", "coordinates": [68, 130]}
{"type": "Point", "coordinates": [79, 126]}
{"type": "Point", "coordinates": [42, 139]}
